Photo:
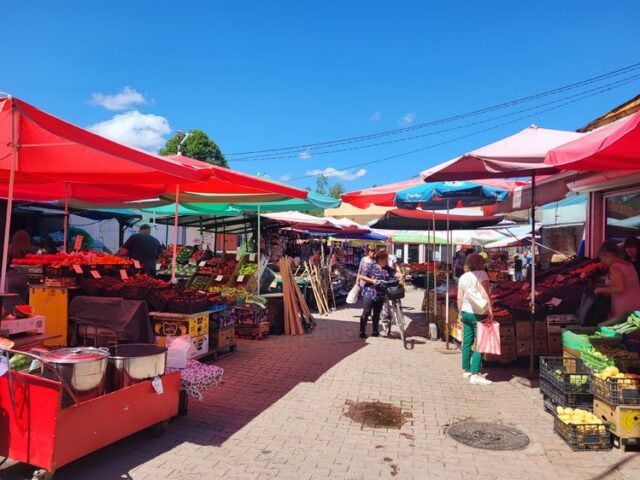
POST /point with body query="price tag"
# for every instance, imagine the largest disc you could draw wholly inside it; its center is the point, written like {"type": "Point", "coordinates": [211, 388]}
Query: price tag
{"type": "Point", "coordinates": [202, 263]}
{"type": "Point", "coordinates": [157, 385]}
{"type": "Point", "coordinates": [240, 278]}
{"type": "Point", "coordinates": [136, 263]}
{"type": "Point", "coordinates": [192, 262]}
{"type": "Point", "coordinates": [4, 364]}
{"type": "Point", "coordinates": [94, 274]}
{"type": "Point", "coordinates": [158, 266]}
{"type": "Point", "coordinates": [77, 244]}
{"type": "Point", "coordinates": [252, 257]}
{"type": "Point", "coordinates": [77, 269]}
{"type": "Point", "coordinates": [219, 278]}
{"type": "Point", "coordinates": [123, 274]}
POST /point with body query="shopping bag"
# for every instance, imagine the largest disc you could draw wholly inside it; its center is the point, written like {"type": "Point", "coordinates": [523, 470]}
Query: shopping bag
{"type": "Point", "coordinates": [488, 340]}
{"type": "Point", "coordinates": [354, 293]}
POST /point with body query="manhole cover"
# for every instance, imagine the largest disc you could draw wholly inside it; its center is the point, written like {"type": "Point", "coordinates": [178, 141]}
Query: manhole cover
{"type": "Point", "coordinates": [376, 414]}
{"type": "Point", "coordinates": [489, 436]}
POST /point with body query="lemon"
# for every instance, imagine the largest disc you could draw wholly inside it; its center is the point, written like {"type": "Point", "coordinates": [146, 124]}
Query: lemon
{"type": "Point", "coordinates": [560, 410]}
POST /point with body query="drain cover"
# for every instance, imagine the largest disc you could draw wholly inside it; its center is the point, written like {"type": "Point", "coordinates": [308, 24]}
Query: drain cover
{"type": "Point", "coordinates": [489, 436]}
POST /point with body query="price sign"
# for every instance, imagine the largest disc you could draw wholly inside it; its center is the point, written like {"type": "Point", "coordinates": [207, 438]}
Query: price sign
{"type": "Point", "coordinates": [77, 244]}
{"type": "Point", "coordinates": [192, 262]}
{"type": "Point", "coordinates": [158, 266]}
{"type": "Point", "coordinates": [202, 263]}
{"type": "Point", "coordinates": [95, 274]}
{"type": "Point", "coordinates": [219, 278]}
{"type": "Point", "coordinates": [240, 278]}
{"type": "Point", "coordinates": [252, 257]}
{"type": "Point", "coordinates": [77, 269]}
{"type": "Point", "coordinates": [136, 263]}
{"type": "Point", "coordinates": [157, 385]}
{"type": "Point", "coordinates": [123, 274]}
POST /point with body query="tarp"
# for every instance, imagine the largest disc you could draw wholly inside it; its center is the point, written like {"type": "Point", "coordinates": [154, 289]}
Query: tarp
{"type": "Point", "coordinates": [512, 241]}
{"type": "Point", "coordinates": [613, 147]}
{"type": "Point", "coordinates": [453, 194]}
{"type": "Point", "coordinates": [400, 219]}
{"type": "Point", "coordinates": [382, 195]}
{"type": "Point", "coordinates": [518, 155]}
{"type": "Point", "coordinates": [458, 237]}
{"type": "Point", "coordinates": [302, 221]}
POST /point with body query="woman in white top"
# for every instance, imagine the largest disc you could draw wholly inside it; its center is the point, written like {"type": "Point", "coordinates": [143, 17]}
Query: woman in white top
{"type": "Point", "coordinates": [474, 305]}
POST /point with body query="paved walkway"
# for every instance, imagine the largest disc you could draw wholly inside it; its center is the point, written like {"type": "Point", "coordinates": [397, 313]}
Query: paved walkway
{"type": "Point", "coordinates": [281, 414]}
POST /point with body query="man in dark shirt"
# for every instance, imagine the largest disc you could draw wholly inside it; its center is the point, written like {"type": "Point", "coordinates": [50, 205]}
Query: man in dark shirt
{"type": "Point", "coordinates": [517, 268]}
{"type": "Point", "coordinates": [144, 248]}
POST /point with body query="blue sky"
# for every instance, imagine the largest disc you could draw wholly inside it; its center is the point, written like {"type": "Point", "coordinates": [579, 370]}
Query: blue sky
{"type": "Point", "coordinates": [259, 75]}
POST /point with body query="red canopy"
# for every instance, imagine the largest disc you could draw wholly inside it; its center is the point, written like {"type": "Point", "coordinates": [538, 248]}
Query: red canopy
{"type": "Point", "coordinates": [519, 155]}
{"type": "Point", "coordinates": [613, 147]}
{"type": "Point", "coordinates": [382, 196]}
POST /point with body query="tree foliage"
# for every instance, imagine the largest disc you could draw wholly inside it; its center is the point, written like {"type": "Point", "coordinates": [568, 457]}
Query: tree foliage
{"type": "Point", "coordinates": [336, 190]}
{"type": "Point", "coordinates": [198, 146]}
{"type": "Point", "coordinates": [322, 184]}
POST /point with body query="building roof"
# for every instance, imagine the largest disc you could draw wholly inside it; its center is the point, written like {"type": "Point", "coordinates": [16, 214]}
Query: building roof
{"type": "Point", "coordinates": [627, 108]}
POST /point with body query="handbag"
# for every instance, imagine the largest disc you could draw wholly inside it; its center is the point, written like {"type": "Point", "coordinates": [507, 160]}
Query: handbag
{"type": "Point", "coordinates": [477, 299]}
{"type": "Point", "coordinates": [354, 294]}
{"type": "Point", "coordinates": [488, 338]}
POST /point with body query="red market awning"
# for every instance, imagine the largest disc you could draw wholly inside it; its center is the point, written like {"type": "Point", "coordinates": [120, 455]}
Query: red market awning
{"type": "Point", "coordinates": [382, 195]}
{"type": "Point", "coordinates": [519, 155]}
{"type": "Point", "coordinates": [400, 219]}
{"type": "Point", "coordinates": [613, 147]}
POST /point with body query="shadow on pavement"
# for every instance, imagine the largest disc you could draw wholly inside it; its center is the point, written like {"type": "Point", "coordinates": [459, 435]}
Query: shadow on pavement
{"type": "Point", "coordinates": [259, 374]}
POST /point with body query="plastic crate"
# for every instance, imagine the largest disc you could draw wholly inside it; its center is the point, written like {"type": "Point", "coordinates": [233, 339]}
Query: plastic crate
{"type": "Point", "coordinates": [132, 292]}
{"type": "Point", "coordinates": [555, 371]}
{"type": "Point", "coordinates": [593, 436]}
{"type": "Point", "coordinates": [553, 398]}
{"type": "Point", "coordinates": [616, 391]}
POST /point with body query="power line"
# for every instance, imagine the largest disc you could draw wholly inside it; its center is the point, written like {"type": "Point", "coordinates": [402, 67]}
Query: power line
{"type": "Point", "coordinates": [462, 137]}
{"type": "Point", "coordinates": [571, 86]}
{"type": "Point", "coordinates": [598, 90]}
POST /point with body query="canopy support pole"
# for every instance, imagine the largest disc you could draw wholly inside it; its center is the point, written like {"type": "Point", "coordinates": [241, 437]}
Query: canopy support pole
{"type": "Point", "coordinates": [435, 275]}
{"type": "Point", "coordinates": [12, 178]}
{"type": "Point", "coordinates": [533, 273]}
{"type": "Point", "coordinates": [65, 225]}
{"type": "Point", "coordinates": [174, 255]}
{"type": "Point", "coordinates": [446, 305]}
{"type": "Point", "coordinates": [258, 251]}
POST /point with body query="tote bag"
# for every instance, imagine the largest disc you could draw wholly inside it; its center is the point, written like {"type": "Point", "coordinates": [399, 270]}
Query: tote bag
{"type": "Point", "coordinates": [354, 293]}
{"type": "Point", "coordinates": [488, 338]}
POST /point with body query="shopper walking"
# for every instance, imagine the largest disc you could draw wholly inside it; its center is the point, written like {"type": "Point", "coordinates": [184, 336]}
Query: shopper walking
{"type": "Point", "coordinates": [474, 305]}
{"type": "Point", "coordinates": [373, 293]}
{"type": "Point", "coordinates": [632, 252]}
{"type": "Point", "coordinates": [364, 261]}
{"type": "Point", "coordinates": [517, 268]}
{"type": "Point", "coordinates": [622, 280]}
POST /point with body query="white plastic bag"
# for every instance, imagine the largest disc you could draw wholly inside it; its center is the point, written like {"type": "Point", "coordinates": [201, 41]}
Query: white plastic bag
{"type": "Point", "coordinates": [354, 294]}
{"type": "Point", "coordinates": [180, 349]}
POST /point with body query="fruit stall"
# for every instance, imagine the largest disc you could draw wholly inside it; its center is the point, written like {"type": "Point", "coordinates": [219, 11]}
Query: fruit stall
{"type": "Point", "coordinates": [593, 389]}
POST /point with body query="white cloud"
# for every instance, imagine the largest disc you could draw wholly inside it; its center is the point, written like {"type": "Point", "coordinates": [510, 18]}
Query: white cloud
{"type": "Point", "coordinates": [146, 131]}
{"type": "Point", "coordinates": [341, 174]}
{"type": "Point", "coordinates": [407, 119]}
{"type": "Point", "coordinates": [285, 178]}
{"type": "Point", "coordinates": [125, 98]}
{"type": "Point", "coordinates": [377, 116]}
{"type": "Point", "coordinates": [305, 155]}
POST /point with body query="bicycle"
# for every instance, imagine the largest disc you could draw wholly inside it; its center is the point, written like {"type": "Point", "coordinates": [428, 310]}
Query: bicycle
{"type": "Point", "coordinates": [394, 292]}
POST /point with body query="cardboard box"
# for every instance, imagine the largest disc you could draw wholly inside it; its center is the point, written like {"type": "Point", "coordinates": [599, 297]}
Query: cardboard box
{"type": "Point", "coordinates": [201, 343]}
{"type": "Point", "coordinates": [11, 326]}
{"type": "Point", "coordinates": [507, 334]}
{"type": "Point", "coordinates": [224, 337]}
{"type": "Point", "coordinates": [554, 344]}
{"type": "Point", "coordinates": [561, 320]}
{"type": "Point", "coordinates": [623, 420]}
{"type": "Point", "coordinates": [177, 324]}
{"type": "Point", "coordinates": [523, 347]}
{"type": "Point", "coordinates": [523, 330]}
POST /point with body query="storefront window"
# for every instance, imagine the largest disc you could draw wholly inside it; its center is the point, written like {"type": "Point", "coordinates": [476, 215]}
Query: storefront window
{"type": "Point", "coordinates": [622, 213]}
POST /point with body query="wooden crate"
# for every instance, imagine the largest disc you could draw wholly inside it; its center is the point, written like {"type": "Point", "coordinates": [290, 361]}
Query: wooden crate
{"type": "Point", "coordinates": [254, 332]}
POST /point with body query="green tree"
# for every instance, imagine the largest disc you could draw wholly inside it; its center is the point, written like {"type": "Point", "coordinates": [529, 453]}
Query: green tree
{"type": "Point", "coordinates": [197, 145]}
{"type": "Point", "coordinates": [322, 184]}
{"type": "Point", "coordinates": [336, 190]}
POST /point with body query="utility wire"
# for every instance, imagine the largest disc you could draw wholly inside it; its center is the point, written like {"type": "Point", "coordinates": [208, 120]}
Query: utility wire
{"type": "Point", "coordinates": [571, 86]}
{"type": "Point", "coordinates": [586, 93]}
{"type": "Point", "coordinates": [462, 137]}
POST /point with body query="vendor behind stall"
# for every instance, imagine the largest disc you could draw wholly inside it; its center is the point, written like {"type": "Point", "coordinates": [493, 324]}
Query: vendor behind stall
{"type": "Point", "coordinates": [144, 248]}
{"type": "Point", "coordinates": [20, 245]}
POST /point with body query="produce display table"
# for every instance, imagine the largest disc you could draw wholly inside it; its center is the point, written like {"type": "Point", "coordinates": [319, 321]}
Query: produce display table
{"type": "Point", "coordinates": [128, 318]}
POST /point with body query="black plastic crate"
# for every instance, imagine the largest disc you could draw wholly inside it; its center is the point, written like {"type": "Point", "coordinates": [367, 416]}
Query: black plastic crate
{"type": "Point", "coordinates": [593, 436]}
{"type": "Point", "coordinates": [553, 397]}
{"type": "Point", "coordinates": [567, 375]}
{"type": "Point", "coordinates": [616, 391]}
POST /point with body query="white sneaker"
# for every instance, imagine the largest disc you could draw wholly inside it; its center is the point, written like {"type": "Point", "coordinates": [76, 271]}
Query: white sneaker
{"type": "Point", "coordinates": [479, 380]}
{"type": "Point", "coordinates": [466, 375]}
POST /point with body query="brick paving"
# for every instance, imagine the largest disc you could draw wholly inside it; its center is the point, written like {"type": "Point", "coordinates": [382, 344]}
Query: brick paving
{"type": "Point", "coordinates": [281, 414]}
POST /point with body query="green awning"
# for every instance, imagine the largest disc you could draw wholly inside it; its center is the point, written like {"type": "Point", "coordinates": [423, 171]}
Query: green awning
{"type": "Point", "coordinates": [417, 237]}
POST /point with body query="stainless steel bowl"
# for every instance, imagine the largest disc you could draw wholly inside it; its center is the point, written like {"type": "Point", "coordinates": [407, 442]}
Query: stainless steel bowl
{"type": "Point", "coordinates": [136, 362]}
